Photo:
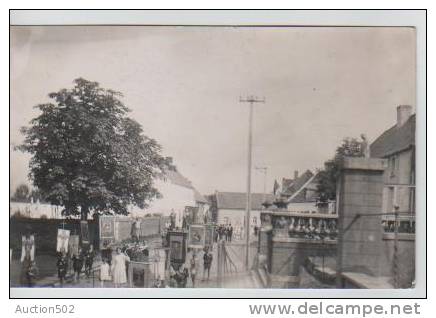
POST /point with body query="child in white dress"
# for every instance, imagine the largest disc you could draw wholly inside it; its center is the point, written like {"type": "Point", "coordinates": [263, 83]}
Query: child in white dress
{"type": "Point", "coordinates": [119, 268]}
{"type": "Point", "coordinates": [104, 273]}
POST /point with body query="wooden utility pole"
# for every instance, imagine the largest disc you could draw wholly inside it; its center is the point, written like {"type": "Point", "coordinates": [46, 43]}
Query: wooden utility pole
{"type": "Point", "coordinates": [251, 100]}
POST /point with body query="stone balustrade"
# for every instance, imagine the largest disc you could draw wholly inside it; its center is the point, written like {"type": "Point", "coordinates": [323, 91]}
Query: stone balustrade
{"type": "Point", "coordinates": [313, 226]}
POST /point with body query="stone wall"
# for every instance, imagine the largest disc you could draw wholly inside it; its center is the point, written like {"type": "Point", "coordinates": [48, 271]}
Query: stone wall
{"type": "Point", "coordinates": [363, 247]}
{"type": "Point", "coordinates": [405, 259]}
{"type": "Point", "coordinates": [360, 221]}
{"type": "Point", "coordinates": [288, 255]}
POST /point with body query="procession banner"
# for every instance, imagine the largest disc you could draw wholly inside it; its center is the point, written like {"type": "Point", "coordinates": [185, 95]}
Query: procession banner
{"type": "Point", "coordinates": [196, 236]}
{"type": "Point", "coordinates": [107, 227]}
{"type": "Point", "coordinates": [106, 230]}
{"type": "Point", "coordinates": [84, 232]}
{"type": "Point", "coordinates": [177, 244]}
{"type": "Point", "coordinates": [191, 214]}
{"type": "Point", "coordinates": [62, 240]}
{"type": "Point", "coordinates": [209, 235]}
{"type": "Point", "coordinates": [73, 244]}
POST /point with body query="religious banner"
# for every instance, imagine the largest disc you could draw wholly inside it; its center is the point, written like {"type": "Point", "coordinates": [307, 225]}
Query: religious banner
{"type": "Point", "coordinates": [107, 229]}
{"type": "Point", "coordinates": [73, 245]}
{"type": "Point", "coordinates": [210, 229]}
{"type": "Point", "coordinates": [191, 214]}
{"type": "Point", "coordinates": [62, 240]}
{"type": "Point", "coordinates": [197, 236]}
{"type": "Point", "coordinates": [84, 232]}
{"type": "Point", "coordinates": [177, 245]}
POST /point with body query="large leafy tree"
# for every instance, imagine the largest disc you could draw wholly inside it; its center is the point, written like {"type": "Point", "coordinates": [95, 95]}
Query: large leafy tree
{"type": "Point", "coordinates": [88, 155]}
{"type": "Point", "coordinates": [21, 193]}
{"type": "Point", "coordinates": [327, 178]}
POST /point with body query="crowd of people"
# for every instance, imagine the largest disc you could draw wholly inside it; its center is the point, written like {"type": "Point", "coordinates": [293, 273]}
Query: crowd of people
{"type": "Point", "coordinates": [82, 261]}
{"type": "Point", "coordinates": [224, 232]}
{"type": "Point", "coordinates": [179, 277]}
{"type": "Point", "coordinates": [112, 261]}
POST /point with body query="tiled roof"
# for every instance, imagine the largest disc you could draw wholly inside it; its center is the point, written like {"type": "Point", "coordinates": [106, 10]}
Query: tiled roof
{"type": "Point", "coordinates": [238, 200]}
{"type": "Point", "coordinates": [177, 178]}
{"type": "Point", "coordinates": [298, 183]}
{"type": "Point", "coordinates": [287, 183]}
{"type": "Point", "coordinates": [395, 139]}
{"type": "Point", "coordinates": [302, 195]}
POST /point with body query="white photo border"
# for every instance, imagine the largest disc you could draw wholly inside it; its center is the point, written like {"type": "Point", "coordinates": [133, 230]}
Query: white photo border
{"type": "Point", "coordinates": [411, 18]}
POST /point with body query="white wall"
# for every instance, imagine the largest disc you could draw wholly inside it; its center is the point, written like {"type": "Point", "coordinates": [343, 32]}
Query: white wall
{"type": "Point", "coordinates": [303, 207]}
{"type": "Point", "coordinates": [35, 210]}
{"type": "Point", "coordinates": [174, 199]}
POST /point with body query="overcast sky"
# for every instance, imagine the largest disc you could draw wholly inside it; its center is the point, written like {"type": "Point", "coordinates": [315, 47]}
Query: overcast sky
{"type": "Point", "coordinates": [183, 85]}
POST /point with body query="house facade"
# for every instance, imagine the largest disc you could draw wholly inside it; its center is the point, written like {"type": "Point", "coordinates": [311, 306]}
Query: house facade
{"type": "Point", "coordinates": [397, 146]}
{"type": "Point", "coordinates": [231, 209]}
{"type": "Point", "coordinates": [301, 196]}
{"type": "Point", "coordinates": [179, 196]}
{"type": "Point", "coordinates": [378, 251]}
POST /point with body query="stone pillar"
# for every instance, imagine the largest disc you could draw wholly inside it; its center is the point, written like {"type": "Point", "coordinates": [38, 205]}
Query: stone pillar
{"type": "Point", "coordinates": [287, 256]}
{"type": "Point", "coordinates": [360, 196]}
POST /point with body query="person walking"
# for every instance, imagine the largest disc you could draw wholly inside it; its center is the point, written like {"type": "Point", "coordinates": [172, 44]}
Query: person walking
{"type": "Point", "coordinates": [230, 232]}
{"type": "Point", "coordinates": [207, 262]}
{"type": "Point", "coordinates": [32, 274]}
{"type": "Point", "coordinates": [78, 260]}
{"type": "Point", "coordinates": [221, 232]}
{"type": "Point", "coordinates": [89, 260]}
{"type": "Point", "coordinates": [119, 268]}
{"type": "Point", "coordinates": [106, 253]}
{"type": "Point", "coordinates": [136, 230]}
{"type": "Point", "coordinates": [104, 272]}
{"type": "Point", "coordinates": [182, 277]}
{"type": "Point", "coordinates": [62, 266]}
{"type": "Point", "coordinates": [193, 268]}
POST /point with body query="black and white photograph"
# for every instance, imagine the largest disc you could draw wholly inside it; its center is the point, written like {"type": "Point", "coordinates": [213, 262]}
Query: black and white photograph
{"type": "Point", "coordinates": [207, 157]}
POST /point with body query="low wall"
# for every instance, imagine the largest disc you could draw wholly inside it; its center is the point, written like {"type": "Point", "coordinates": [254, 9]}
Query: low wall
{"type": "Point", "coordinates": [45, 231]}
{"type": "Point", "coordinates": [404, 265]}
{"type": "Point", "coordinates": [289, 254]}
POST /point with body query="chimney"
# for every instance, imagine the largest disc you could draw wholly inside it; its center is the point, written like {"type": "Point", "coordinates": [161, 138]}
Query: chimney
{"type": "Point", "coordinates": [295, 174]}
{"type": "Point", "coordinates": [403, 114]}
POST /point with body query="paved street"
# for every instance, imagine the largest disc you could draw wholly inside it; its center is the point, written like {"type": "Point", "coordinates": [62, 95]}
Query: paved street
{"type": "Point", "coordinates": [239, 278]}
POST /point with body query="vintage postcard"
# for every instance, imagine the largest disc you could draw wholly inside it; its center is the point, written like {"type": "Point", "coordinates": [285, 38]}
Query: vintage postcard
{"type": "Point", "coordinates": [253, 157]}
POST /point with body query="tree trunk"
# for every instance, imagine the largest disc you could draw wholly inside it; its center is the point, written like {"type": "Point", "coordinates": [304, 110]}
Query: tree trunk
{"type": "Point", "coordinates": [84, 210]}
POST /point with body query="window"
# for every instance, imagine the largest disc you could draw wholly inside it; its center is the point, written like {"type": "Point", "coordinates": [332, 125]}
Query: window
{"type": "Point", "coordinates": [412, 200]}
{"type": "Point", "coordinates": [390, 200]}
{"type": "Point", "coordinates": [393, 165]}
